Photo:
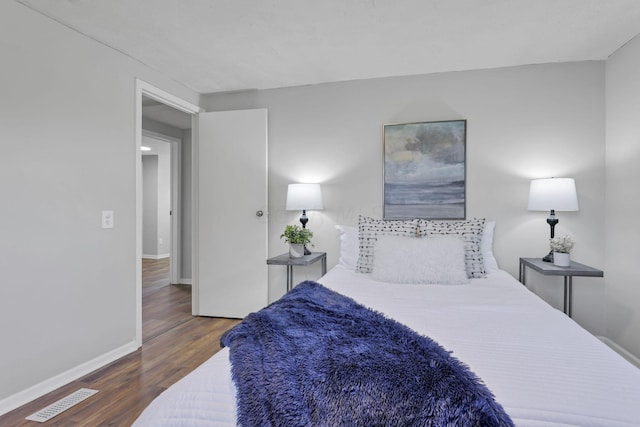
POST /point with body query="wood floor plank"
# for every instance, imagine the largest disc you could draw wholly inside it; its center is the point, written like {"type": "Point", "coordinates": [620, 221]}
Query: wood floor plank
{"type": "Point", "coordinates": [163, 305]}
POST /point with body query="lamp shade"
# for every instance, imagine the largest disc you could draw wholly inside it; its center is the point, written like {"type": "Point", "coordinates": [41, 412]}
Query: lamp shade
{"type": "Point", "coordinates": [553, 193]}
{"type": "Point", "coordinates": [304, 197]}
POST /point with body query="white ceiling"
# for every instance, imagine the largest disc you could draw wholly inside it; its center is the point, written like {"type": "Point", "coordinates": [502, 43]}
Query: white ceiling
{"type": "Point", "coordinates": [228, 45]}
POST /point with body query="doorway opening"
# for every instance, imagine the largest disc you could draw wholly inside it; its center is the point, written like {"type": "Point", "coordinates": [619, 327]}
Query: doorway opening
{"type": "Point", "coordinates": [164, 259]}
{"type": "Point", "coordinates": [166, 294]}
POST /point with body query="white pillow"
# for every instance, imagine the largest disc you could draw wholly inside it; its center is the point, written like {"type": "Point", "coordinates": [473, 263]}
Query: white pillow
{"type": "Point", "coordinates": [486, 248]}
{"type": "Point", "coordinates": [470, 231]}
{"type": "Point", "coordinates": [348, 246]}
{"type": "Point", "coordinates": [369, 229]}
{"type": "Point", "coordinates": [437, 259]}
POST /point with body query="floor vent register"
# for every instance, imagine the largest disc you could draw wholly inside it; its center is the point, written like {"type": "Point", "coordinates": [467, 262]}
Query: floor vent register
{"type": "Point", "coordinates": [61, 405]}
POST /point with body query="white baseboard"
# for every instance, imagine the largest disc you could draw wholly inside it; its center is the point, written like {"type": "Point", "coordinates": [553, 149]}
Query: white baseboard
{"type": "Point", "coordinates": [161, 256]}
{"type": "Point", "coordinates": [620, 350]}
{"type": "Point", "coordinates": [184, 281]}
{"type": "Point", "coordinates": [25, 396]}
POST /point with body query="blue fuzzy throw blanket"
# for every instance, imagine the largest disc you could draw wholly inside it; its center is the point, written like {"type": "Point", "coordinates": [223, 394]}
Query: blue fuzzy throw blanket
{"type": "Point", "coordinates": [318, 358]}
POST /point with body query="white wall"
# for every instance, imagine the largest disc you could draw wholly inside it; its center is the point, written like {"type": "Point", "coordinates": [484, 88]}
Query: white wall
{"type": "Point", "coordinates": [623, 203]}
{"type": "Point", "coordinates": [67, 125]}
{"type": "Point", "coordinates": [523, 123]}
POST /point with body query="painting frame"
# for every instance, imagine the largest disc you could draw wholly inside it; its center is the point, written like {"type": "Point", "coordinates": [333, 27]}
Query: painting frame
{"type": "Point", "coordinates": [424, 170]}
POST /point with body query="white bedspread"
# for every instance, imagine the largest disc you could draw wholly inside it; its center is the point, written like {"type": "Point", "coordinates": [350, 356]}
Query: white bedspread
{"type": "Point", "coordinates": [542, 367]}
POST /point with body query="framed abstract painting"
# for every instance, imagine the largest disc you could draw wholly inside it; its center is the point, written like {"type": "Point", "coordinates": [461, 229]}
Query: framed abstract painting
{"type": "Point", "coordinates": [425, 170]}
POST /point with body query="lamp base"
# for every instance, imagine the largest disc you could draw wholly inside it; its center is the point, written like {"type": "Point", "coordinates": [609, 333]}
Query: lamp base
{"type": "Point", "coordinates": [552, 220]}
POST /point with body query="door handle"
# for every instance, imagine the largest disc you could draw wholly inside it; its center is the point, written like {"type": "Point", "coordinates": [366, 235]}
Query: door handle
{"type": "Point", "coordinates": [259, 213]}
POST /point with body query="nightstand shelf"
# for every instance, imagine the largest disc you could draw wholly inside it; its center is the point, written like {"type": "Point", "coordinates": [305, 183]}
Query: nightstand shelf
{"type": "Point", "coordinates": [285, 259]}
{"type": "Point", "coordinates": [550, 269]}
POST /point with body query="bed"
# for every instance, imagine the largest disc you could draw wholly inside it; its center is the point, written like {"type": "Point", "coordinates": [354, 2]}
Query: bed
{"type": "Point", "coordinates": [542, 367]}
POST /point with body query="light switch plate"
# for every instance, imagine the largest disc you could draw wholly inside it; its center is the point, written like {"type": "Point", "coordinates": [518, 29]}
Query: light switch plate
{"type": "Point", "coordinates": [107, 219]}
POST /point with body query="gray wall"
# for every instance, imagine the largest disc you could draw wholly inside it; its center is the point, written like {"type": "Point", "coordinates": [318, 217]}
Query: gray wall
{"type": "Point", "coordinates": [150, 205]}
{"type": "Point", "coordinates": [67, 125]}
{"type": "Point", "coordinates": [523, 123]}
{"type": "Point", "coordinates": [161, 128]}
{"type": "Point", "coordinates": [187, 209]}
{"type": "Point", "coordinates": [623, 203]}
{"type": "Point", "coordinates": [156, 200]}
{"type": "Point", "coordinates": [164, 200]}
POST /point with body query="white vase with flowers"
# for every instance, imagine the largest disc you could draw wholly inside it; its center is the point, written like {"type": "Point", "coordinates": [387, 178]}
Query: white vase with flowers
{"type": "Point", "coordinates": [561, 247]}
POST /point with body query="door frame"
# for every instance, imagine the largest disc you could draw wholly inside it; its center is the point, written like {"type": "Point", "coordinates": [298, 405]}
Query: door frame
{"type": "Point", "coordinates": [175, 255]}
{"type": "Point", "coordinates": [153, 92]}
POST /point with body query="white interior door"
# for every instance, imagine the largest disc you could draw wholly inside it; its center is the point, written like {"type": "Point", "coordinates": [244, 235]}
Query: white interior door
{"type": "Point", "coordinates": [231, 156]}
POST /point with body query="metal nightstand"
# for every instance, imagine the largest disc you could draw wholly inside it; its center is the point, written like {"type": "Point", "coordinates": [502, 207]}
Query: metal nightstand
{"type": "Point", "coordinates": [285, 259]}
{"type": "Point", "coordinates": [550, 269]}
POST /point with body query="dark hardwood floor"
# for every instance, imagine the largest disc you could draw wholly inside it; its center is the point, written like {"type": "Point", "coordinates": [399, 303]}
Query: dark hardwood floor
{"type": "Point", "coordinates": [164, 306]}
{"type": "Point", "coordinates": [155, 274]}
{"type": "Point", "coordinates": [171, 349]}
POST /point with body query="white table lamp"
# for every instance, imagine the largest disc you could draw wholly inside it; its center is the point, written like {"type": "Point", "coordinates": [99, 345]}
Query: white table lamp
{"type": "Point", "coordinates": [304, 197]}
{"type": "Point", "coordinates": [553, 194]}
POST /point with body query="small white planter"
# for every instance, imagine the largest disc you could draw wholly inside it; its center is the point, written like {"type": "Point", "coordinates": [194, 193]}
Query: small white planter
{"type": "Point", "coordinates": [561, 259]}
{"type": "Point", "coordinates": [296, 250]}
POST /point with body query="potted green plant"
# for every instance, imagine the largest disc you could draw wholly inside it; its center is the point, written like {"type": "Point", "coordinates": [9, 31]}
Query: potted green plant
{"type": "Point", "coordinates": [561, 247]}
{"type": "Point", "coordinates": [297, 237]}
